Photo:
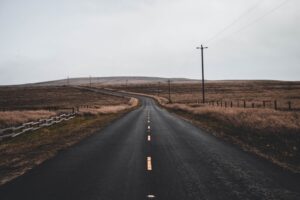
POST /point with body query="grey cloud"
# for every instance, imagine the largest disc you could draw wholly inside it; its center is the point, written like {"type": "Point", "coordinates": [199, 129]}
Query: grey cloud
{"type": "Point", "coordinates": [149, 38]}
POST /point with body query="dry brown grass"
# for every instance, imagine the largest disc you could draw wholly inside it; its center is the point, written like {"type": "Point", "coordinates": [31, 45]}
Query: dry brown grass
{"type": "Point", "coordinates": [251, 91]}
{"type": "Point", "coordinates": [160, 100]}
{"type": "Point", "coordinates": [20, 104]}
{"type": "Point", "coordinates": [12, 118]}
{"type": "Point", "coordinates": [133, 102]}
{"type": "Point", "coordinates": [252, 119]}
{"type": "Point", "coordinates": [52, 97]}
{"type": "Point", "coordinates": [21, 153]}
{"type": "Point", "coordinates": [272, 134]}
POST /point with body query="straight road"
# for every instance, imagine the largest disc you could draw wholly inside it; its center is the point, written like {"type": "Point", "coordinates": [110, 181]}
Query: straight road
{"type": "Point", "coordinates": [152, 154]}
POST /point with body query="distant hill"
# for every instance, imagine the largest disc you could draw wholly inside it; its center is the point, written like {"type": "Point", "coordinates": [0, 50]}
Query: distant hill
{"type": "Point", "coordinates": [117, 80]}
{"type": "Point", "coordinates": [123, 80]}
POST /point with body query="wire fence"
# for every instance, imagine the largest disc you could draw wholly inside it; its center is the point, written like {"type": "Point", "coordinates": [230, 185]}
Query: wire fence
{"type": "Point", "coordinates": [276, 105]}
{"type": "Point", "coordinates": [282, 105]}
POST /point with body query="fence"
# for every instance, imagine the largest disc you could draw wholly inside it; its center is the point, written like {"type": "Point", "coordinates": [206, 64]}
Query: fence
{"type": "Point", "coordinates": [250, 104]}
{"type": "Point", "coordinates": [31, 126]}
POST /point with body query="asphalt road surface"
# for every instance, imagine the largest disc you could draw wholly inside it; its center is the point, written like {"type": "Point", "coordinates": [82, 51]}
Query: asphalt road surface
{"type": "Point", "coordinates": [152, 154]}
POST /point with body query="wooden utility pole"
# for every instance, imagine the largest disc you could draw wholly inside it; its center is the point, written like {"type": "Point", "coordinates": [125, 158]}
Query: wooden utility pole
{"type": "Point", "coordinates": [158, 88]}
{"type": "Point", "coordinates": [202, 61]}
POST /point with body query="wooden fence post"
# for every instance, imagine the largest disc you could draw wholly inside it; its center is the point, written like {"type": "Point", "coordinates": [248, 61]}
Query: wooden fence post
{"type": "Point", "coordinates": [290, 105]}
{"type": "Point", "coordinates": [252, 105]}
{"type": "Point", "coordinates": [275, 105]}
{"type": "Point", "coordinates": [231, 104]}
{"type": "Point", "coordinates": [244, 104]}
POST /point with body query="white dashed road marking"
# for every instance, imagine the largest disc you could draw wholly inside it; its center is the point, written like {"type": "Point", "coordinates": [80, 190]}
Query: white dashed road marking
{"type": "Point", "coordinates": [151, 196]}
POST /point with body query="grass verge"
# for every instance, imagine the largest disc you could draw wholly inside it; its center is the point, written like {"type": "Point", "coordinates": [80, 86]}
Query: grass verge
{"type": "Point", "coordinates": [273, 135]}
{"type": "Point", "coordinates": [24, 152]}
{"type": "Point", "coordinates": [13, 118]}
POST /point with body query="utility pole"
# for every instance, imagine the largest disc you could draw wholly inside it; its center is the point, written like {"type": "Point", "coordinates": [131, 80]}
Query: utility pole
{"type": "Point", "coordinates": [158, 88]}
{"type": "Point", "coordinates": [169, 83]}
{"type": "Point", "coordinates": [202, 60]}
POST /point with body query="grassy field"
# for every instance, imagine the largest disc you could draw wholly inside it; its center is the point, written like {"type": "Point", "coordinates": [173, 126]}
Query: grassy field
{"type": "Point", "coordinates": [109, 109]}
{"type": "Point", "coordinates": [250, 91]}
{"type": "Point", "coordinates": [19, 154]}
{"type": "Point", "coordinates": [272, 134]}
{"type": "Point", "coordinates": [13, 118]}
{"type": "Point", "coordinates": [22, 104]}
{"type": "Point", "coordinates": [52, 97]}
{"type": "Point", "coordinates": [26, 151]}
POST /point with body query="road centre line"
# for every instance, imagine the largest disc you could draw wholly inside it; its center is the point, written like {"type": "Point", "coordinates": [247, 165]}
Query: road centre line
{"type": "Point", "coordinates": [149, 163]}
{"type": "Point", "coordinates": [150, 196]}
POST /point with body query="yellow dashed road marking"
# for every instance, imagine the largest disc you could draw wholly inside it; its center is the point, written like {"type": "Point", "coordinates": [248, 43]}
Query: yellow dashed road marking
{"type": "Point", "coordinates": [149, 163]}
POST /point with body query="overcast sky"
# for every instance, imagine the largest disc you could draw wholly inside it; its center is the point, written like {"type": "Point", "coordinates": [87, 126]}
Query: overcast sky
{"type": "Point", "coordinates": [45, 40]}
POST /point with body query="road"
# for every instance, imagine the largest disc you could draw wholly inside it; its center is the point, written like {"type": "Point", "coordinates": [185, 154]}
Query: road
{"type": "Point", "coordinates": [152, 154]}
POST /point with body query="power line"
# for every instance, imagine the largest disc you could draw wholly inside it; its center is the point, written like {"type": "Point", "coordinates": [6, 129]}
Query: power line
{"type": "Point", "coordinates": [261, 17]}
{"type": "Point", "coordinates": [248, 11]}
{"type": "Point", "coordinates": [258, 19]}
